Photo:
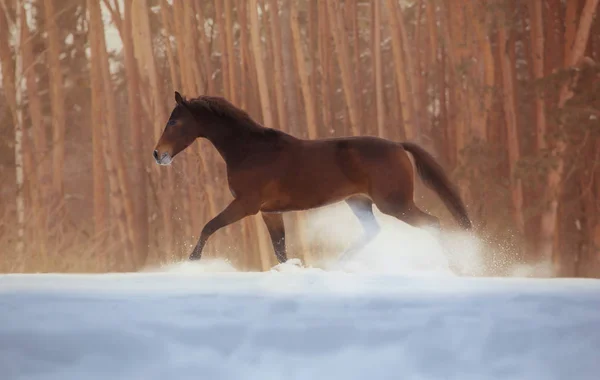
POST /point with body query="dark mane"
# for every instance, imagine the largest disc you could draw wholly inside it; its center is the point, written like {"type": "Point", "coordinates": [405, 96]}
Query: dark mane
{"type": "Point", "coordinates": [222, 108]}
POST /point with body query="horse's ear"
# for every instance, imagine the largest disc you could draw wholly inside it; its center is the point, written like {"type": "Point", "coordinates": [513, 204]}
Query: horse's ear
{"type": "Point", "coordinates": [178, 98]}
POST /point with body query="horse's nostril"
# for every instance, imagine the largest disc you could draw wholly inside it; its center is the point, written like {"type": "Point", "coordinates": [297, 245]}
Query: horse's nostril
{"type": "Point", "coordinates": [155, 154]}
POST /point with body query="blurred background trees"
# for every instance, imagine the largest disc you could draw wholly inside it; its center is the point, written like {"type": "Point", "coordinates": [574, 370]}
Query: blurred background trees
{"type": "Point", "coordinates": [505, 93]}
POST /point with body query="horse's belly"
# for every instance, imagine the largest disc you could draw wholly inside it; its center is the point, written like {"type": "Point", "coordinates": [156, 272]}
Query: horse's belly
{"type": "Point", "coordinates": [304, 193]}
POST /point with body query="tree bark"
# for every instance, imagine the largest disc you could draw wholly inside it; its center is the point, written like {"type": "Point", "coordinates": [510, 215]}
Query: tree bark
{"type": "Point", "coordinates": [303, 73]}
{"type": "Point", "coordinates": [12, 83]}
{"type": "Point", "coordinates": [38, 170]}
{"type": "Point", "coordinates": [549, 220]}
{"type": "Point", "coordinates": [113, 157]}
{"type": "Point", "coordinates": [223, 45]}
{"type": "Point", "coordinates": [205, 49]}
{"type": "Point", "coordinates": [401, 69]}
{"type": "Point", "coordinates": [505, 45]}
{"type": "Point", "coordinates": [378, 69]}
{"type": "Point", "coordinates": [260, 69]}
{"type": "Point", "coordinates": [289, 83]}
{"type": "Point", "coordinates": [537, 58]}
{"type": "Point", "coordinates": [230, 51]}
{"type": "Point", "coordinates": [341, 47]}
{"type": "Point", "coordinates": [142, 43]}
{"type": "Point", "coordinates": [57, 97]}
{"type": "Point", "coordinates": [136, 135]}
{"type": "Point", "coordinates": [97, 121]}
{"type": "Point", "coordinates": [325, 62]}
{"type": "Point", "coordinates": [265, 105]}
{"type": "Point", "coordinates": [279, 85]}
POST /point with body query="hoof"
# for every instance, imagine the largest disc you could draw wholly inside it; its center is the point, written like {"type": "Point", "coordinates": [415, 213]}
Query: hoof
{"type": "Point", "coordinates": [290, 264]}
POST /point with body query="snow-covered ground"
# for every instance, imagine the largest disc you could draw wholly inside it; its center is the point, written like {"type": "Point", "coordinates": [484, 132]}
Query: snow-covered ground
{"type": "Point", "coordinates": [390, 314]}
{"type": "Point", "coordinates": [304, 324]}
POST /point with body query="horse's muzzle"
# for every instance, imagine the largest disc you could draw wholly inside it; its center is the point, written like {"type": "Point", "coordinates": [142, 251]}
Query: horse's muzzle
{"type": "Point", "coordinates": [163, 159]}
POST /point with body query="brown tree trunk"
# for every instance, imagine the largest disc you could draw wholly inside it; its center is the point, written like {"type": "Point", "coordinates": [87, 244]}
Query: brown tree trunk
{"type": "Point", "coordinates": [230, 52]}
{"type": "Point", "coordinates": [313, 39]}
{"type": "Point", "coordinates": [289, 83]}
{"type": "Point", "coordinates": [223, 45]}
{"type": "Point", "coordinates": [572, 6]}
{"type": "Point", "coordinates": [324, 60]}
{"type": "Point", "coordinates": [358, 85]}
{"type": "Point", "coordinates": [303, 73]}
{"type": "Point", "coordinates": [265, 103]}
{"type": "Point", "coordinates": [12, 73]}
{"type": "Point", "coordinates": [167, 21]}
{"type": "Point", "coordinates": [378, 68]}
{"type": "Point", "coordinates": [548, 221]}
{"type": "Point", "coordinates": [260, 70]}
{"type": "Point", "coordinates": [118, 179]}
{"type": "Point", "coordinates": [57, 98]}
{"type": "Point", "coordinates": [38, 170]}
{"type": "Point", "coordinates": [341, 48]}
{"type": "Point", "coordinates": [401, 69]}
{"type": "Point", "coordinates": [97, 113]}
{"type": "Point", "coordinates": [505, 45]}
{"type": "Point", "coordinates": [205, 49]}
{"type": "Point", "coordinates": [537, 58]}
{"type": "Point", "coordinates": [283, 123]}
{"type": "Point", "coordinates": [147, 67]}
{"type": "Point", "coordinates": [140, 185]}
{"type": "Point", "coordinates": [242, 17]}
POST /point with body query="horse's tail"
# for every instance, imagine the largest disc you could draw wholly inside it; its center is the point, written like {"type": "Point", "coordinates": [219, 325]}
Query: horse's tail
{"type": "Point", "coordinates": [434, 177]}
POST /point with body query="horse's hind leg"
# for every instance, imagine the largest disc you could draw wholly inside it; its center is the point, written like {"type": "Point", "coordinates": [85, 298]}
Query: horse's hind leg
{"type": "Point", "coordinates": [362, 207]}
{"type": "Point", "coordinates": [408, 212]}
{"type": "Point", "coordinates": [276, 228]}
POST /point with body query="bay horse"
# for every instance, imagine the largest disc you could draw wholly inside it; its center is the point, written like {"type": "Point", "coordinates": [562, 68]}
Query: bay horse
{"type": "Point", "coordinates": [272, 172]}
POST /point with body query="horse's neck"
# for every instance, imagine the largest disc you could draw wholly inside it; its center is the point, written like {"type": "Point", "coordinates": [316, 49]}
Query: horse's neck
{"type": "Point", "coordinates": [232, 141]}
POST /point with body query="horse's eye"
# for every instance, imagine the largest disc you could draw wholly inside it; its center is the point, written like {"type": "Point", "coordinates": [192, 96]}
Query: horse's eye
{"type": "Point", "coordinates": [171, 122]}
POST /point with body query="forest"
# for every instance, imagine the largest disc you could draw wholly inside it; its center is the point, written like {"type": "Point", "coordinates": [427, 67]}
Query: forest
{"type": "Point", "coordinates": [504, 93]}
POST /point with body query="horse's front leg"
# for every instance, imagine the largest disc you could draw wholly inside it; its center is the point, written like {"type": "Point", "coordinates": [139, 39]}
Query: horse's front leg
{"type": "Point", "coordinates": [276, 228]}
{"type": "Point", "coordinates": [235, 211]}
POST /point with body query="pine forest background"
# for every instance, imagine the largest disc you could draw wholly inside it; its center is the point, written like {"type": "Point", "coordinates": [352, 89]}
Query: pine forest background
{"type": "Point", "coordinates": [505, 94]}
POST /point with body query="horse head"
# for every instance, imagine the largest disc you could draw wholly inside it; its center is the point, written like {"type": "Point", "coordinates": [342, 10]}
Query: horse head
{"type": "Point", "coordinates": [180, 132]}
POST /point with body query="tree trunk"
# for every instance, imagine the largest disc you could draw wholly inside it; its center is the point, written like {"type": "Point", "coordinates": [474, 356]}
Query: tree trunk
{"type": "Point", "coordinates": [113, 156]}
{"type": "Point", "coordinates": [137, 137]}
{"type": "Point", "coordinates": [548, 221]}
{"type": "Point", "coordinates": [230, 52]}
{"type": "Point", "coordinates": [284, 122]}
{"type": "Point", "coordinates": [265, 105]}
{"type": "Point", "coordinates": [341, 48]}
{"type": "Point", "coordinates": [57, 97]}
{"type": "Point", "coordinates": [167, 21]}
{"type": "Point", "coordinates": [205, 49]}
{"type": "Point", "coordinates": [324, 60]}
{"type": "Point", "coordinates": [303, 73]}
{"type": "Point", "coordinates": [291, 98]}
{"type": "Point", "coordinates": [358, 85]}
{"type": "Point", "coordinates": [97, 116]}
{"type": "Point", "coordinates": [12, 83]}
{"type": "Point", "coordinates": [142, 43]}
{"type": "Point", "coordinates": [38, 170]}
{"type": "Point", "coordinates": [401, 69]}
{"type": "Point", "coordinates": [260, 69]}
{"type": "Point", "coordinates": [378, 69]}
{"type": "Point", "coordinates": [223, 45]}
{"type": "Point", "coordinates": [572, 6]}
{"type": "Point", "coordinates": [243, 20]}
{"type": "Point", "coordinates": [537, 58]}
{"type": "Point", "coordinates": [505, 45]}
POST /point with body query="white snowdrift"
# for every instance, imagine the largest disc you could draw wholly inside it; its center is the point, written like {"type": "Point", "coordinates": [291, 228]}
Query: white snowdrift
{"type": "Point", "coordinates": [207, 321]}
